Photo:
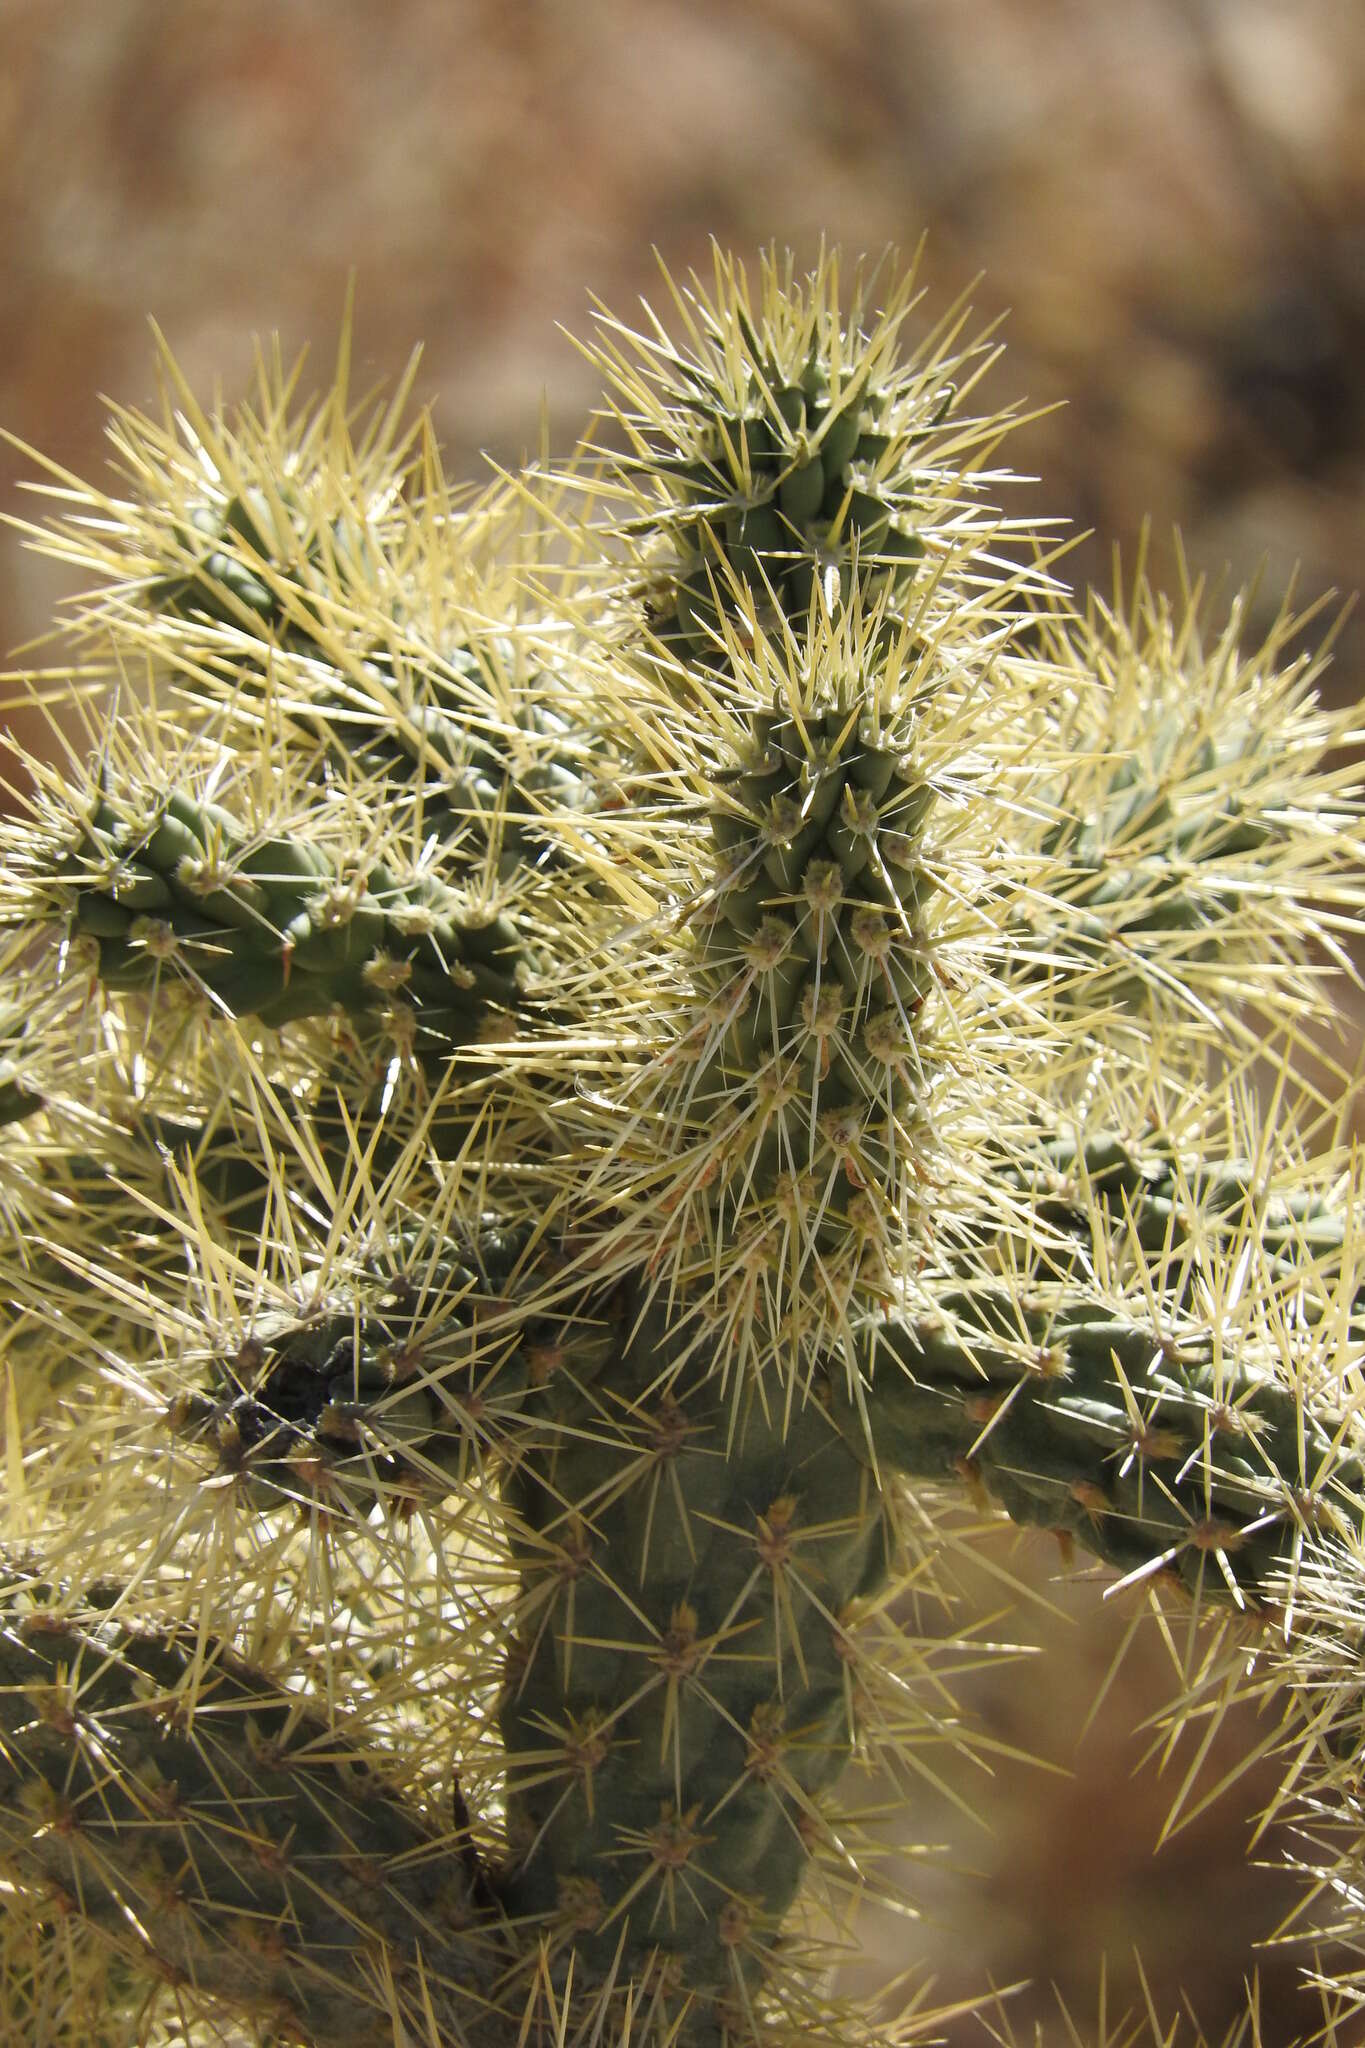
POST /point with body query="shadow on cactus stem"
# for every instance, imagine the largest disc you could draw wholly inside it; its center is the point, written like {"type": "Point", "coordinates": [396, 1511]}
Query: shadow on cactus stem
{"type": "Point", "coordinates": [616, 1040]}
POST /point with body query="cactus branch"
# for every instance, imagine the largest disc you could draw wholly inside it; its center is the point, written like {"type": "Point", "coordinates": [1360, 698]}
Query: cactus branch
{"type": "Point", "coordinates": [1151, 1450]}
{"type": "Point", "coordinates": [227, 1838]}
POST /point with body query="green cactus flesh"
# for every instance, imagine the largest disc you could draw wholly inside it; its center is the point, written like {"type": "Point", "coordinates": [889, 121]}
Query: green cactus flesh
{"type": "Point", "coordinates": [1147, 884]}
{"type": "Point", "coordinates": [466, 745]}
{"type": "Point", "coordinates": [1150, 1449]}
{"type": "Point", "coordinates": [477, 790]}
{"type": "Point", "coordinates": [799, 1071]}
{"type": "Point", "coordinates": [256, 560]}
{"type": "Point", "coordinates": [1161, 1196]}
{"type": "Point", "coordinates": [1198, 798]}
{"type": "Point", "coordinates": [226, 1841]}
{"type": "Point", "coordinates": [277, 928]}
{"type": "Point", "coordinates": [791, 488]}
{"type": "Point", "coordinates": [678, 1696]}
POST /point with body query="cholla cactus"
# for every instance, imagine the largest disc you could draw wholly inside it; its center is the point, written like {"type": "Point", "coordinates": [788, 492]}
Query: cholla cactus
{"type": "Point", "coordinates": [581, 1055]}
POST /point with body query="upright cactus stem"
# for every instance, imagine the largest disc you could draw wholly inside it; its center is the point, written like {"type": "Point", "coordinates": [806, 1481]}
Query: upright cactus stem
{"type": "Point", "coordinates": [677, 1698]}
{"type": "Point", "coordinates": [790, 450]}
{"type": "Point", "coordinates": [605, 1046]}
{"type": "Point", "coordinates": [797, 1092]}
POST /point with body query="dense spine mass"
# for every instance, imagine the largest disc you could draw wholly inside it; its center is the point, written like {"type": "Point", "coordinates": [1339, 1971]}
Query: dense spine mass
{"type": "Point", "coordinates": [795, 1095]}
{"type": "Point", "coordinates": [789, 452]}
{"type": "Point", "coordinates": [606, 1044]}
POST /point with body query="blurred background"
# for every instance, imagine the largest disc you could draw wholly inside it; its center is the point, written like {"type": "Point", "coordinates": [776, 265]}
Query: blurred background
{"type": "Point", "coordinates": [1167, 199]}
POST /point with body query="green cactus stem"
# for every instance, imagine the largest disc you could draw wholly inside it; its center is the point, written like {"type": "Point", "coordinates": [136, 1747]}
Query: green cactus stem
{"type": "Point", "coordinates": [597, 1049]}
{"type": "Point", "coordinates": [678, 1699]}
{"type": "Point", "coordinates": [814, 951]}
{"type": "Point", "coordinates": [472, 744]}
{"type": "Point", "coordinates": [813, 965]}
{"type": "Point", "coordinates": [230, 1840]}
{"type": "Point", "coordinates": [1161, 1195]}
{"type": "Point", "coordinates": [485, 791]}
{"type": "Point", "coordinates": [167, 884]}
{"type": "Point", "coordinates": [250, 560]}
{"type": "Point", "coordinates": [787, 449]}
{"type": "Point", "coordinates": [431, 1378]}
{"type": "Point", "coordinates": [1203, 841]}
{"type": "Point", "coordinates": [1152, 1451]}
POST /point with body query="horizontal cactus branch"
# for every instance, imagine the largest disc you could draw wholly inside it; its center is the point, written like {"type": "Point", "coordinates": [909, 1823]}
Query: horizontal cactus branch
{"type": "Point", "coordinates": [229, 1840]}
{"type": "Point", "coordinates": [494, 785]}
{"type": "Point", "coordinates": [1152, 1451]}
{"type": "Point", "coordinates": [474, 742]}
{"type": "Point", "coordinates": [275, 928]}
{"type": "Point", "coordinates": [1142, 1430]}
{"type": "Point", "coordinates": [1162, 1197]}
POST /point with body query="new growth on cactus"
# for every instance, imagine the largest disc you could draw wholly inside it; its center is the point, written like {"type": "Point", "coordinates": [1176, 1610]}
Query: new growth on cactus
{"type": "Point", "coordinates": [582, 1058]}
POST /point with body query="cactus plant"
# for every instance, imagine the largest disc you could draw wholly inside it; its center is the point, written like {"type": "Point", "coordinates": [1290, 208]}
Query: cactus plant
{"type": "Point", "coordinates": [591, 1052]}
